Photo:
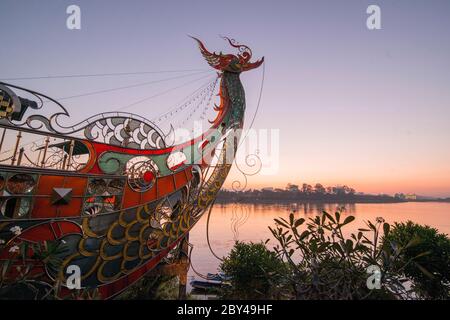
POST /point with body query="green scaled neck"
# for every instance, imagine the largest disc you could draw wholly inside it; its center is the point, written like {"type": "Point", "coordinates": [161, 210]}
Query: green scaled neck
{"type": "Point", "coordinates": [236, 94]}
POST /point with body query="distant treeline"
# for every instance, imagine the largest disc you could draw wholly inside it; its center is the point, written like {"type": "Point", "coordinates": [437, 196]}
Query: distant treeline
{"type": "Point", "coordinates": [317, 193]}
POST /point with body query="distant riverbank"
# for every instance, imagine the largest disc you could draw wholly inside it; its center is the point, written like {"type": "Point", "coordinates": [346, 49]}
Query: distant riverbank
{"type": "Point", "coordinates": [287, 201]}
{"type": "Point", "coordinates": [284, 197]}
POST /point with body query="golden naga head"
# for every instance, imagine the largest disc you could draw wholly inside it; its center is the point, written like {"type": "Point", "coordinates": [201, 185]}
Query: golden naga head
{"type": "Point", "coordinates": [230, 62]}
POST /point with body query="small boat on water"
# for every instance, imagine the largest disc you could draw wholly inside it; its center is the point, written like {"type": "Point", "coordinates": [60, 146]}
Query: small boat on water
{"type": "Point", "coordinates": [220, 276]}
{"type": "Point", "coordinates": [212, 281]}
{"type": "Point", "coordinates": [206, 285]}
{"type": "Point", "coordinates": [112, 195]}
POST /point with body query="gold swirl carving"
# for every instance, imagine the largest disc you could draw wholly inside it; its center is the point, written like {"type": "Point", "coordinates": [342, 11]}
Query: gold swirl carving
{"type": "Point", "coordinates": [125, 249]}
{"type": "Point", "coordinates": [105, 256]}
{"type": "Point", "coordinates": [83, 251]}
{"type": "Point", "coordinates": [141, 252]}
{"type": "Point", "coordinates": [87, 231]}
{"type": "Point", "coordinates": [122, 221]}
{"type": "Point", "coordinates": [110, 238]}
{"type": "Point", "coordinates": [127, 231]}
{"type": "Point", "coordinates": [104, 279]}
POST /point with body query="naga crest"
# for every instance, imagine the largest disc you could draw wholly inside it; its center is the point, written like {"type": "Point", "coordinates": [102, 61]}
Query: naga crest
{"type": "Point", "coordinates": [230, 62]}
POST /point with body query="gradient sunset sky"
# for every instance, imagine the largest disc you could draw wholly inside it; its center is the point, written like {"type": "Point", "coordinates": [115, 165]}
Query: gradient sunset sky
{"type": "Point", "coordinates": [370, 109]}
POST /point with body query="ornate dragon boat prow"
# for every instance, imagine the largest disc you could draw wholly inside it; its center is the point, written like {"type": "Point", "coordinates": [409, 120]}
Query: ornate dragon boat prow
{"type": "Point", "coordinates": [111, 195]}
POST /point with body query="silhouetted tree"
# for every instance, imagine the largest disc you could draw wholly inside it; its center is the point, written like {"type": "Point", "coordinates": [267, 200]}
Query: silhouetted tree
{"type": "Point", "coordinates": [319, 188]}
{"type": "Point", "coordinates": [307, 189]}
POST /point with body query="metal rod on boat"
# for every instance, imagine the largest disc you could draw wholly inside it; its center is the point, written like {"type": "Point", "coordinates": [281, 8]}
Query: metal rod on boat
{"type": "Point", "coordinates": [64, 162]}
{"type": "Point", "coordinates": [19, 136]}
{"type": "Point", "coordinates": [2, 139]}
{"type": "Point", "coordinates": [62, 158]}
{"type": "Point", "coordinates": [19, 160]}
{"type": "Point", "coordinates": [72, 145]}
{"type": "Point", "coordinates": [47, 141]}
{"type": "Point", "coordinates": [38, 157]}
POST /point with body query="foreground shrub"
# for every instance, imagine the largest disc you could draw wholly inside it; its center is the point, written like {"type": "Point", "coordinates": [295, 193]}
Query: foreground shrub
{"type": "Point", "coordinates": [324, 264]}
{"type": "Point", "coordinates": [255, 271]}
{"type": "Point", "coordinates": [430, 258]}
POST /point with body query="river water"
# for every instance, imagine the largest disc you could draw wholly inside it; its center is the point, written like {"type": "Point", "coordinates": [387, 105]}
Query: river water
{"type": "Point", "coordinates": [249, 222]}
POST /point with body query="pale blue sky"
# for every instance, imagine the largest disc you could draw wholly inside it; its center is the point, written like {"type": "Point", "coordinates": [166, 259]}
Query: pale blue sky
{"type": "Point", "coordinates": [366, 108]}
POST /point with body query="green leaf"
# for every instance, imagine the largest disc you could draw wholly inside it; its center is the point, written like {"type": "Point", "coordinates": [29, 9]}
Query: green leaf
{"type": "Point", "coordinates": [413, 242]}
{"type": "Point", "coordinates": [304, 234]}
{"type": "Point", "coordinates": [338, 248]}
{"type": "Point", "coordinates": [348, 220]}
{"type": "Point", "coordinates": [323, 247]}
{"type": "Point", "coordinates": [371, 226]}
{"type": "Point", "coordinates": [25, 250]}
{"type": "Point", "coordinates": [386, 228]}
{"type": "Point", "coordinates": [5, 267]}
{"type": "Point", "coordinates": [349, 245]}
{"type": "Point", "coordinates": [425, 271]}
{"type": "Point", "coordinates": [323, 219]}
{"type": "Point", "coordinates": [337, 214]}
{"type": "Point", "coordinates": [281, 223]}
{"type": "Point", "coordinates": [426, 253]}
{"type": "Point", "coordinates": [329, 216]}
{"type": "Point", "coordinates": [299, 222]}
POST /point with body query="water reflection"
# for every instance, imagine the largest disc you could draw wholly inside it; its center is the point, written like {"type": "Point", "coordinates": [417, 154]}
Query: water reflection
{"type": "Point", "coordinates": [239, 216]}
{"type": "Point", "coordinates": [314, 208]}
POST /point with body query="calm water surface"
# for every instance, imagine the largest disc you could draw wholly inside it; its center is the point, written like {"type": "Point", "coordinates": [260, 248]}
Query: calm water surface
{"type": "Point", "coordinates": [249, 222]}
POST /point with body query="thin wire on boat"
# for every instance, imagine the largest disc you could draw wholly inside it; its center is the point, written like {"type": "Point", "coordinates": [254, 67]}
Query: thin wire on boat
{"type": "Point", "coordinates": [140, 84]}
{"type": "Point", "coordinates": [191, 246]}
{"type": "Point", "coordinates": [100, 74]}
{"type": "Point", "coordinates": [162, 93]}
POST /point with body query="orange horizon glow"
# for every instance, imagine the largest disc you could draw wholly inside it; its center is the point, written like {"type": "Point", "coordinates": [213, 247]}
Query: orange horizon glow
{"type": "Point", "coordinates": [415, 185]}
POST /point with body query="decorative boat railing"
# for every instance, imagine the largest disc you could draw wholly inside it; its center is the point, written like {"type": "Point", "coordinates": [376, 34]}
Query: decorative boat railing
{"type": "Point", "coordinates": [31, 149]}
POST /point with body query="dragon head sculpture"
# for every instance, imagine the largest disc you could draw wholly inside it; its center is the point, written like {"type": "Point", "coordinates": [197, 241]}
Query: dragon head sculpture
{"type": "Point", "coordinates": [230, 62]}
